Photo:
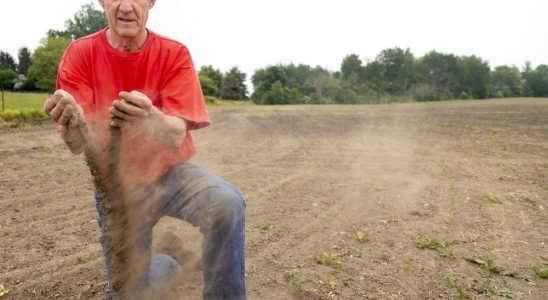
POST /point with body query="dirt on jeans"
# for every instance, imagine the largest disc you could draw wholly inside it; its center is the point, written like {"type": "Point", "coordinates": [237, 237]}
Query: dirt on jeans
{"type": "Point", "coordinates": [343, 202]}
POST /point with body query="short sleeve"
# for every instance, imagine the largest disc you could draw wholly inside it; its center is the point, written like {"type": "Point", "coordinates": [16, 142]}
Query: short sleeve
{"type": "Point", "coordinates": [181, 93]}
{"type": "Point", "coordinates": [73, 77]}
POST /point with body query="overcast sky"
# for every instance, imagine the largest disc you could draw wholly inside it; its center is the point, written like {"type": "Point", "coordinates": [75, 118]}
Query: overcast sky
{"type": "Point", "coordinates": [253, 34]}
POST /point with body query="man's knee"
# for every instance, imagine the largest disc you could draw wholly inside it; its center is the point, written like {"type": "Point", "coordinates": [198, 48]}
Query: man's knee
{"type": "Point", "coordinates": [230, 205]}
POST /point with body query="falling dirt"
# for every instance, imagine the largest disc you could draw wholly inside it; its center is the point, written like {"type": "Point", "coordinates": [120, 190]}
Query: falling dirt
{"type": "Point", "coordinates": [369, 189]}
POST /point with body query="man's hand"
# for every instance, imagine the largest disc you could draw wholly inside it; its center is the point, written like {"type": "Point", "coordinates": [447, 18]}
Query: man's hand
{"type": "Point", "coordinates": [136, 107]}
{"type": "Point", "coordinates": [63, 109]}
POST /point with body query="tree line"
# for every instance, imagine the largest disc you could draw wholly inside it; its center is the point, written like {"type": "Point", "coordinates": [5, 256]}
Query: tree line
{"type": "Point", "coordinates": [395, 75]}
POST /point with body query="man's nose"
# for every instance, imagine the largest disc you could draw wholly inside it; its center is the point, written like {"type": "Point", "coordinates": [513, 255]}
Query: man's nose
{"type": "Point", "coordinates": [126, 6]}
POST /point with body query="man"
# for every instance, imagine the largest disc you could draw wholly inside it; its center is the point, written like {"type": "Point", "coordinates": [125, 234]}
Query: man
{"type": "Point", "coordinates": [126, 80]}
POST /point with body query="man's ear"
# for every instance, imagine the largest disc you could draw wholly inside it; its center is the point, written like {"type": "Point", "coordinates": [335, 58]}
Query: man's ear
{"type": "Point", "coordinates": [151, 3]}
{"type": "Point", "coordinates": [102, 3]}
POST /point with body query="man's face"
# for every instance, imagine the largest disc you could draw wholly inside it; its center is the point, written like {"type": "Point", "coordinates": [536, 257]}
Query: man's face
{"type": "Point", "coordinates": [127, 18]}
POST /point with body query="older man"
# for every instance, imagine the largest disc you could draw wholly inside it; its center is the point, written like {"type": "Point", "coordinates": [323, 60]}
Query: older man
{"type": "Point", "coordinates": [131, 79]}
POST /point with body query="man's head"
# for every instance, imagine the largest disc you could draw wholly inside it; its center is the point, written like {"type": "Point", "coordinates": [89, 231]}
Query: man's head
{"type": "Point", "coordinates": [127, 18]}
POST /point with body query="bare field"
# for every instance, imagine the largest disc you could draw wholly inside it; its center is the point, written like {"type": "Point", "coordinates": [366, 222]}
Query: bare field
{"type": "Point", "coordinates": [409, 201]}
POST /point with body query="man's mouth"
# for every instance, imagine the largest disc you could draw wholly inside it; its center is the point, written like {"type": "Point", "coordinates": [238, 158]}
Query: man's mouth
{"type": "Point", "coordinates": [124, 20]}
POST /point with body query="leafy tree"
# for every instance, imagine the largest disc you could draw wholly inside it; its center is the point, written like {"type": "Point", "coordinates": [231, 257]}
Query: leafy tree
{"type": "Point", "coordinates": [264, 79]}
{"type": "Point", "coordinates": [211, 80]}
{"type": "Point", "coordinates": [475, 77]}
{"type": "Point", "coordinates": [536, 81]}
{"type": "Point", "coordinates": [7, 61]}
{"type": "Point", "coordinates": [440, 73]}
{"type": "Point", "coordinates": [373, 74]}
{"type": "Point", "coordinates": [7, 77]}
{"type": "Point", "coordinates": [209, 87]}
{"type": "Point", "coordinates": [351, 69]}
{"type": "Point", "coordinates": [234, 87]}
{"type": "Point", "coordinates": [506, 82]}
{"type": "Point", "coordinates": [85, 22]}
{"type": "Point", "coordinates": [280, 94]}
{"type": "Point", "coordinates": [45, 61]}
{"type": "Point", "coordinates": [319, 78]}
{"type": "Point", "coordinates": [397, 69]}
{"type": "Point", "coordinates": [24, 60]}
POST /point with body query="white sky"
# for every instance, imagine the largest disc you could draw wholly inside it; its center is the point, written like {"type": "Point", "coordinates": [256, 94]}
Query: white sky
{"type": "Point", "coordinates": [253, 33]}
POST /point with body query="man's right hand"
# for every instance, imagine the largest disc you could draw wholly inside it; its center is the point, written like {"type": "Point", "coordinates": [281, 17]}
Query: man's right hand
{"type": "Point", "coordinates": [63, 109]}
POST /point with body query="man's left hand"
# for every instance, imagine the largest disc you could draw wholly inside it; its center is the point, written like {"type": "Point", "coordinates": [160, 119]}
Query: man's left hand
{"type": "Point", "coordinates": [131, 107]}
{"type": "Point", "coordinates": [136, 107]}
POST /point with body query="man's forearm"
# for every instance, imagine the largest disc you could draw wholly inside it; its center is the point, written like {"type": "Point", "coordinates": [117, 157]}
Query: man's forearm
{"type": "Point", "coordinates": [170, 130]}
{"type": "Point", "coordinates": [73, 138]}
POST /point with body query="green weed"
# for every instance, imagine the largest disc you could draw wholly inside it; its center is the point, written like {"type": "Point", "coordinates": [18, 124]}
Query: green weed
{"type": "Point", "coordinates": [454, 283]}
{"type": "Point", "coordinates": [494, 291]}
{"type": "Point", "coordinates": [386, 256]}
{"type": "Point", "coordinates": [78, 260]}
{"type": "Point", "coordinates": [493, 268]}
{"type": "Point", "coordinates": [291, 278]}
{"type": "Point", "coordinates": [529, 200]}
{"type": "Point", "coordinates": [264, 226]}
{"type": "Point", "coordinates": [327, 260]}
{"type": "Point", "coordinates": [359, 235]}
{"type": "Point", "coordinates": [406, 267]}
{"type": "Point", "coordinates": [541, 272]}
{"type": "Point", "coordinates": [446, 252]}
{"type": "Point", "coordinates": [431, 243]}
{"type": "Point", "coordinates": [493, 199]}
{"type": "Point", "coordinates": [3, 290]}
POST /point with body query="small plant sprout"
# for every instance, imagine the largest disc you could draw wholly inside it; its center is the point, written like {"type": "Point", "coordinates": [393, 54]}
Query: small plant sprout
{"type": "Point", "coordinates": [454, 283]}
{"type": "Point", "coordinates": [359, 235]}
{"type": "Point", "coordinates": [493, 268]}
{"type": "Point", "coordinates": [386, 256]}
{"type": "Point", "coordinates": [493, 199]}
{"type": "Point", "coordinates": [264, 226]}
{"type": "Point", "coordinates": [429, 243]}
{"type": "Point", "coordinates": [406, 267]}
{"type": "Point", "coordinates": [541, 272]}
{"type": "Point", "coordinates": [78, 260]}
{"type": "Point", "coordinates": [3, 290]}
{"type": "Point", "coordinates": [291, 278]}
{"type": "Point", "coordinates": [327, 260]}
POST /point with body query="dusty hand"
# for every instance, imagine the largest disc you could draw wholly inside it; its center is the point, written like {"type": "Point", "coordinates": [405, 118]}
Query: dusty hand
{"type": "Point", "coordinates": [136, 107]}
{"type": "Point", "coordinates": [132, 107]}
{"type": "Point", "coordinates": [63, 109]}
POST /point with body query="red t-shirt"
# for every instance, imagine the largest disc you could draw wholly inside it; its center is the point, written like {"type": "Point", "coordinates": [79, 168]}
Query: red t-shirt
{"type": "Point", "coordinates": [94, 72]}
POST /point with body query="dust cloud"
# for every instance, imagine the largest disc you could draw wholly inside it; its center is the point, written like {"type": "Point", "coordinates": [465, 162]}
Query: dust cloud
{"type": "Point", "coordinates": [130, 213]}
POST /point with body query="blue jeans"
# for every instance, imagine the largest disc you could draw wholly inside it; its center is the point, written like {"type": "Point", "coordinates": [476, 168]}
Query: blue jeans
{"type": "Point", "coordinates": [192, 194]}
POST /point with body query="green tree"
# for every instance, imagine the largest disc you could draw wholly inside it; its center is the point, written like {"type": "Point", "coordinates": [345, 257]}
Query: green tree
{"type": "Point", "coordinates": [86, 21]}
{"type": "Point", "coordinates": [439, 74]}
{"type": "Point", "coordinates": [211, 80]}
{"type": "Point", "coordinates": [234, 87]}
{"type": "Point", "coordinates": [7, 77]}
{"type": "Point", "coordinates": [7, 61]}
{"type": "Point", "coordinates": [45, 61]}
{"type": "Point", "coordinates": [24, 60]}
{"type": "Point", "coordinates": [475, 77]}
{"type": "Point", "coordinates": [264, 79]}
{"type": "Point", "coordinates": [351, 69]}
{"type": "Point", "coordinates": [536, 81]}
{"type": "Point", "coordinates": [506, 82]}
{"type": "Point", "coordinates": [280, 94]}
{"type": "Point", "coordinates": [209, 87]}
{"type": "Point", "coordinates": [398, 70]}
